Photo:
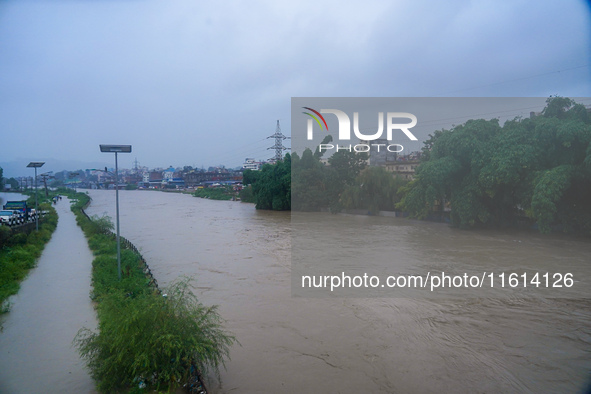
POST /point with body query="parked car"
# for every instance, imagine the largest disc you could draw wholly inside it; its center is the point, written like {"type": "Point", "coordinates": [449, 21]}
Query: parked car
{"type": "Point", "coordinates": [10, 218]}
{"type": "Point", "coordinates": [19, 207]}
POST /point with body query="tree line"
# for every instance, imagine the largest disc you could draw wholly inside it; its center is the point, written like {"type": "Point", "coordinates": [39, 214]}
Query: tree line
{"type": "Point", "coordinates": [306, 184]}
{"type": "Point", "coordinates": [535, 170]}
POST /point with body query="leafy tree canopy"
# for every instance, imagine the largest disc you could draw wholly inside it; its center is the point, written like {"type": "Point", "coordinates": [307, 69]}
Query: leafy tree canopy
{"type": "Point", "coordinates": [538, 168]}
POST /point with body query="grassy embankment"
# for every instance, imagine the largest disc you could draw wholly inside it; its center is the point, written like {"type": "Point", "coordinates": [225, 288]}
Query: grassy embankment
{"type": "Point", "coordinates": [146, 339]}
{"type": "Point", "coordinates": [19, 252]}
{"type": "Point", "coordinates": [218, 193]}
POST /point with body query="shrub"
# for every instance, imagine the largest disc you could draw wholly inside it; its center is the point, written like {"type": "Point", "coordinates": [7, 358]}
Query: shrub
{"type": "Point", "coordinates": [153, 339]}
{"type": "Point", "coordinates": [17, 239]}
{"type": "Point", "coordinates": [102, 244]}
{"type": "Point", "coordinates": [219, 193]}
{"type": "Point", "coordinates": [247, 195]}
{"type": "Point", "coordinates": [5, 235]}
{"type": "Point", "coordinates": [101, 224]}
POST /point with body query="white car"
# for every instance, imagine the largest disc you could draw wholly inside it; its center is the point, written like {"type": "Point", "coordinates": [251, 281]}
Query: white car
{"type": "Point", "coordinates": [10, 218]}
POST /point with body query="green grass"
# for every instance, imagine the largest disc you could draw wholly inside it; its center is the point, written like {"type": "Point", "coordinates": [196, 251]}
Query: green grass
{"type": "Point", "coordinates": [144, 337]}
{"type": "Point", "coordinates": [219, 193]}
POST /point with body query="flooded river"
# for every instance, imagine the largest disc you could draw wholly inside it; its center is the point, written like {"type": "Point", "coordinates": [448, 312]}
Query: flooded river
{"type": "Point", "coordinates": [494, 341]}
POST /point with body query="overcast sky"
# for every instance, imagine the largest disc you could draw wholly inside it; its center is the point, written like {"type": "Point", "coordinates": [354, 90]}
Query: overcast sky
{"type": "Point", "coordinates": [203, 83]}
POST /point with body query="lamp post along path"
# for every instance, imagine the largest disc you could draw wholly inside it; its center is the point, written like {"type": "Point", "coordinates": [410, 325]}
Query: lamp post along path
{"type": "Point", "coordinates": [117, 149]}
{"type": "Point", "coordinates": [35, 165]}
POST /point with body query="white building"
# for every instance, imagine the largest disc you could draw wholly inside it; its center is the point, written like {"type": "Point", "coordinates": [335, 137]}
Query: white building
{"type": "Point", "coordinates": [252, 164]}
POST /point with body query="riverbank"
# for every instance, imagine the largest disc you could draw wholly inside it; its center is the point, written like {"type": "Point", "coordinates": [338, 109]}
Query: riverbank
{"type": "Point", "coordinates": [149, 338]}
{"type": "Point", "coordinates": [219, 193]}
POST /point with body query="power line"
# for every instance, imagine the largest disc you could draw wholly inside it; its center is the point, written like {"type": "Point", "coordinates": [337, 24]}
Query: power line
{"type": "Point", "coordinates": [517, 79]}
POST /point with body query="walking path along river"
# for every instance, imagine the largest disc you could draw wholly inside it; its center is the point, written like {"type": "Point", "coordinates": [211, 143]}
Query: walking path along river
{"type": "Point", "coordinates": [36, 352]}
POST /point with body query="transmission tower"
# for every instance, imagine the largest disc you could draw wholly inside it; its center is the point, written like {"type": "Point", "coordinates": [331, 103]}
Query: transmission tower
{"type": "Point", "coordinates": [279, 148]}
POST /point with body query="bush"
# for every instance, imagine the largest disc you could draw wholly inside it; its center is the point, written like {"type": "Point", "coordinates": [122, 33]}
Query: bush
{"type": "Point", "coordinates": [101, 224]}
{"type": "Point", "coordinates": [18, 239]}
{"type": "Point", "coordinates": [153, 339]}
{"type": "Point", "coordinates": [247, 195]}
{"type": "Point", "coordinates": [5, 235]}
{"type": "Point", "coordinates": [218, 193]}
{"type": "Point", "coordinates": [102, 244]}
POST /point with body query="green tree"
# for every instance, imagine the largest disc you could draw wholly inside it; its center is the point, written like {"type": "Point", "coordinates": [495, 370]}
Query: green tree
{"type": "Point", "coordinates": [249, 177]}
{"type": "Point", "coordinates": [318, 186]}
{"type": "Point", "coordinates": [309, 189]}
{"type": "Point", "coordinates": [272, 187]}
{"type": "Point", "coordinates": [13, 183]}
{"type": "Point", "coordinates": [344, 168]}
{"type": "Point", "coordinates": [538, 168]}
{"type": "Point", "coordinates": [247, 195]}
{"type": "Point", "coordinates": [375, 189]}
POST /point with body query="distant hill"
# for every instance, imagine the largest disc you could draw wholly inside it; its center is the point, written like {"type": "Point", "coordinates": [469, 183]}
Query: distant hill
{"type": "Point", "coordinates": [16, 168]}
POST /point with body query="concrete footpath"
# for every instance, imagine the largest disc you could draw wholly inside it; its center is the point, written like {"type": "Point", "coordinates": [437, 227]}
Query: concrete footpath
{"type": "Point", "coordinates": [36, 352]}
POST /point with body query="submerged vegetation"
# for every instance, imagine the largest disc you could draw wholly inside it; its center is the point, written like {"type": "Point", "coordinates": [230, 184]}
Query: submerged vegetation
{"type": "Point", "coordinates": [217, 193]}
{"type": "Point", "coordinates": [146, 339]}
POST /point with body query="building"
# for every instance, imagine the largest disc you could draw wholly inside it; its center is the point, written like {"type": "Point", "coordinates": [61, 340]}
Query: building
{"type": "Point", "coordinates": [405, 165]}
{"type": "Point", "coordinates": [379, 154]}
{"type": "Point", "coordinates": [168, 175]}
{"type": "Point", "coordinates": [196, 178]}
{"type": "Point", "coordinates": [403, 169]}
{"type": "Point", "coordinates": [398, 164]}
{"type": "Point", "coordinates": [252, 164]}
{"type": "Point", "coordinates": [154, 179]}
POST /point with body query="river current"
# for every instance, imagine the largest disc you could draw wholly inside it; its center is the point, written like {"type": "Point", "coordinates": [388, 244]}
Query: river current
{"type": "Point", "coordinates": [495, 341]}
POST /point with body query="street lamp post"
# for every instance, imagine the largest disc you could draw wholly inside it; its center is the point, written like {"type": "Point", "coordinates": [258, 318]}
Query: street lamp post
{"type": "Point", "coordinates": [35, 165]}
{"type": "Point", "coordinates": [75, 174]}
{"type": "Point", "coordinates": [44, 177]}
{"type": "Point", "coordinates": [117, 149]}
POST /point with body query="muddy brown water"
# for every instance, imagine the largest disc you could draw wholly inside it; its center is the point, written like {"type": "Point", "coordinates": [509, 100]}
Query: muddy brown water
{"type": "Point", "coordinates": [516, 341]}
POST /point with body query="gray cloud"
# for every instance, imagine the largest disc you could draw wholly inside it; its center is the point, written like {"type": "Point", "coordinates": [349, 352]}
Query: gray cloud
{"type": "Point", "coordinates": [203, 83]}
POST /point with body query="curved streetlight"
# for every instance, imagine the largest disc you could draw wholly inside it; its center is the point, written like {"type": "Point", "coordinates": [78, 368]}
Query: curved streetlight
{"type": "Point", "coordinates": [117, 149]}
{"type": "Point", "coordinates": [35, 165]}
